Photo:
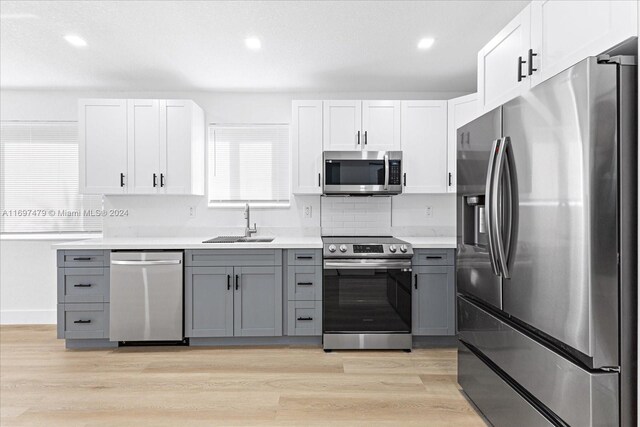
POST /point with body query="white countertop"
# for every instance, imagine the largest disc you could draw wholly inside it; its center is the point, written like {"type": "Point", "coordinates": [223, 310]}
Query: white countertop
{"type": "Point", "coordinates": [430, 242]}
{"type": "Point", "coordinates": [188, 243]}
{"type": "Point", "coordinates": [282, 242]}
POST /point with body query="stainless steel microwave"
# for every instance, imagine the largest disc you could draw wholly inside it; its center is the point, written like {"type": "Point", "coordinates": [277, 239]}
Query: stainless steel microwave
{"type": "Point", "coordinates": [360, 173]}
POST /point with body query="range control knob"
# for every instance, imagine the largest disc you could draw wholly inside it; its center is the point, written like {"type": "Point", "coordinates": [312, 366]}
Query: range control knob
{"type": "Point", "coordinates": [343, 248]}
{"type": "Point", "coordinates": [392, 248]}
{"type": "Point", "coordinates": [332, 248]}
{"type": "Point", "coordinates": [403, 248]}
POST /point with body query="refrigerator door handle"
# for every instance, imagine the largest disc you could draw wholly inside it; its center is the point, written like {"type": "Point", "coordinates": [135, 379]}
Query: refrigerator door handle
{"type": "Point", "coordinates": [504, 164]}
{"type": "Point", "coordinates": [489, 209]}
{"type": "Point", "coordinates": [513, 207]}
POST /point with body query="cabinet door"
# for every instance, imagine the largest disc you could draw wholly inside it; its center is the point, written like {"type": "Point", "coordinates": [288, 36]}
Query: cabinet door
{"type": "Point", "coordinates": [424, 146]}
{"type": "Point", "coordinates": [181, 138]}
{"type": "Point", "coordinates": [461, 111]}
{"type": "Point", "coordinates": [103, 146]}
{"type": "Point", "coordinates": [565, 32]}
{"type": "Point", "coordinates": [342, 125]}
{"type": "Point", "coordinates": [381, 125]}
{"type": "Point", "coordinates": [258, 301]}
{"type": "Point", "coordinates": [498, 63]}
{"type": "Point", "coordinates": [144, 146]}
{"type": "Point", "coordinates": [433, 301]}
{"type": "Point", "coordinates": [306, 141]}
{"type": "Point", "coordinates": [208, 302]}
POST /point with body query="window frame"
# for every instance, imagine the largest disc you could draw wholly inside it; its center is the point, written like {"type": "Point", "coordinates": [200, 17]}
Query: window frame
{"type": "Point", "coordinates": [257, 204]}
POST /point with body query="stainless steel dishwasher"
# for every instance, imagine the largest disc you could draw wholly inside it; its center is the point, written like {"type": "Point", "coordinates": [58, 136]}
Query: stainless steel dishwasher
{"type": "Point", "coordinates": [146, 296]}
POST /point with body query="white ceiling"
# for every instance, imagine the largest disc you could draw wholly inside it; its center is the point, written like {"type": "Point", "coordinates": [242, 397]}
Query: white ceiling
{"type": "Point", "coordinates": [199, 45]}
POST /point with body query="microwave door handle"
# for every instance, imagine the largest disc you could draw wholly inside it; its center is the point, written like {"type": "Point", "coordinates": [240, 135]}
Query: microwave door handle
{"type": "Point", "coordinates": [489, 207]}
{"type": "Point", "coordinates": [386, 171]}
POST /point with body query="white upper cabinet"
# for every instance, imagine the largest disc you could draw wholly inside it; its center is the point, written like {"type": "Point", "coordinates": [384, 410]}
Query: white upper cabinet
{"type": "Point", "coordinates": [549, 36]}
{"type": "Point", "coordinates": [182, 147]}
{"type": "Point", "coordinates": [361, 125]}
{"type": "Point", "coordinates": [103, 146]}
{"type": "Point", "coordinates": [306, 147]}
{"type": "Point", "coordinates": [461, 111]}
{"type": "Point", "coordinates": [342, 125]}
{"type": "Point", "coordinates": [424, 146]}
{"type": "Point", "coordinates": [502, 67]}
{"type": "Point", "coordinates": [565, 32]}
{"type": "Point", "coordinates": [380, 125]}
{"type": "Point", "coordinates": [141, 146]}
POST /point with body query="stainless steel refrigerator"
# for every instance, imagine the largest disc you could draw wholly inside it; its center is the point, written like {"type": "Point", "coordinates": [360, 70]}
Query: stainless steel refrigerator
{"type": "Point", "coordinates": [547, 251]}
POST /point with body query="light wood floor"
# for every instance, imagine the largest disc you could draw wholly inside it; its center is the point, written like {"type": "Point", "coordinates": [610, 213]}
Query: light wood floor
{"type": "Point", "coordinates": [44, 384]}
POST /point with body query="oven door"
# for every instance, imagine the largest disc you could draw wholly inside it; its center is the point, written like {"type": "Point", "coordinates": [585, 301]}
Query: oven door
{"type": "Point", "coordinates": [367, 296]}
{"type": "Point", "coordinates": [367, 172]}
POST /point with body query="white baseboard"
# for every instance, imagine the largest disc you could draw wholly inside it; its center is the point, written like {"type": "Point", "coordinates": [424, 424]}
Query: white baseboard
{"type": "Point", "coordinates": [28, 317]}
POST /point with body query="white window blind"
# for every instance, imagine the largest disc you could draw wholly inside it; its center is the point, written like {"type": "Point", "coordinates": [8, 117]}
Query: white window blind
{"type": "Point", "coordinates": [39, 180]}
{"type": "Point", "coordinates": [249, 163]}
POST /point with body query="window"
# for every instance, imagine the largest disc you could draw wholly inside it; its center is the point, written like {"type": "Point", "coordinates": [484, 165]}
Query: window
{"type": "Point", "coordinates": [249, 163]}
{"type": "Point", "coordinates": [39, 180]}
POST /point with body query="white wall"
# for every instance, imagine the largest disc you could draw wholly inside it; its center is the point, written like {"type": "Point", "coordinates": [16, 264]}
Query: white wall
{"type": "Point", "coordinates": [28, 289]}
{"type": "Point", "coordinates": [27, 281]}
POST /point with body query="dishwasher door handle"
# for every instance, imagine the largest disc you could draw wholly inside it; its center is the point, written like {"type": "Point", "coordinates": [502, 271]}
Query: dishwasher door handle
{"type": "Point", "coordinates": [157, 262]}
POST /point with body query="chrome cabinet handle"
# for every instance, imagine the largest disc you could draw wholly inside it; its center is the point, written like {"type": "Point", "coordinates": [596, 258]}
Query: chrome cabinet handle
{"type": "Point", "coordinates": [157, 262]}
{"type": "Point", "coordinates": [489, 207]}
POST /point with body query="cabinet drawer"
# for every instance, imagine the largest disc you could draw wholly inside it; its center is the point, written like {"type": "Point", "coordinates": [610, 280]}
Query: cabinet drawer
{"type": "Point", "coordinates": [83, 284]}
{"type": "Point", "coordinates": [83, 258]}
{"type": "Point", "coordinates": [235, 257]}
{"type": "Point", "coordinates": [304, 257]}
{"type": "Point", "coordinates": [304, 283]}
{"type": "Point", "coordinates": [304, 318]}
{"type": "Point", "coordinates": [433, 257]}
{"type": "Point", "coordinates": [81, 321]}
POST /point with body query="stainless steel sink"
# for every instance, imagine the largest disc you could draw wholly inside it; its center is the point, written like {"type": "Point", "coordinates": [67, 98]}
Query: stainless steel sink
{"type": "Point", "coordinates": [240, 239]}
{"type": "Point", "coordinates": [256, 239]}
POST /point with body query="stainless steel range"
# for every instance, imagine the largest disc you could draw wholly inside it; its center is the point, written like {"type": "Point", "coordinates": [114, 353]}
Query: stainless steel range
{"type": "Point", "coordinates": [367, 293]}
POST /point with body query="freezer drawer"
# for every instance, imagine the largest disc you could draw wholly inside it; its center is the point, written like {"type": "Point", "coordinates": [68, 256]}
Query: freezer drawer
{"type": "Point", "coordinates": [497, 400]}
{"type": "Point", "coordinates": [578, 396]}
{"type": "Point", "coordinates": [146, 296]}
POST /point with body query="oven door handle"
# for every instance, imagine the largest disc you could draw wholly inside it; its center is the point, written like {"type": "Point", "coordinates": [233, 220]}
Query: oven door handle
{"type": "Point", "coordinates": [361, 264]}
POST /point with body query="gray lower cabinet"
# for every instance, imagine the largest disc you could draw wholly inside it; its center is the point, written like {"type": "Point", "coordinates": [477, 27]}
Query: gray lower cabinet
{"type": "Point", "coordinates": [208, 302]}
{"type": "Point", "coordinates": [304, 292]}
{"type": "Point", "coordinates": [433, 291]}
{"type": "Point", "coordinates": [83, 294]}
{"type": "Point", "coordinates": [238, 300]}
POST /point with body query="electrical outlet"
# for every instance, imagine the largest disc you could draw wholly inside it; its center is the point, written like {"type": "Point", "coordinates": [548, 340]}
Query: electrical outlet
{"type": "Point", "coordinates": [429, 211]}
{"type": "Point", "coordinates": [192, 211]}
{"type": "Point", "coordinates": [308, 213]}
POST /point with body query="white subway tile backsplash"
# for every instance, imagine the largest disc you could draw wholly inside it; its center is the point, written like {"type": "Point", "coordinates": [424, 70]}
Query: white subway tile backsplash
{"type": "Point", "coordinates": [355, 216]}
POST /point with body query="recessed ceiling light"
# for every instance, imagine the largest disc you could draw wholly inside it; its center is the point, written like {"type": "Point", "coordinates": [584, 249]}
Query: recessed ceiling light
{"type": "Point", "coordinates": [76, 41]}
{"type": "Point", "coordinates": [252, 43]}
{"type": "Point", "coordinates": [426, 43]}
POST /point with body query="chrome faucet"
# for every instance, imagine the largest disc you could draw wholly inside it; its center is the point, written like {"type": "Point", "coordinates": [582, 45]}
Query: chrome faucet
{"type": "Point", "coordinates": [248, 231]}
